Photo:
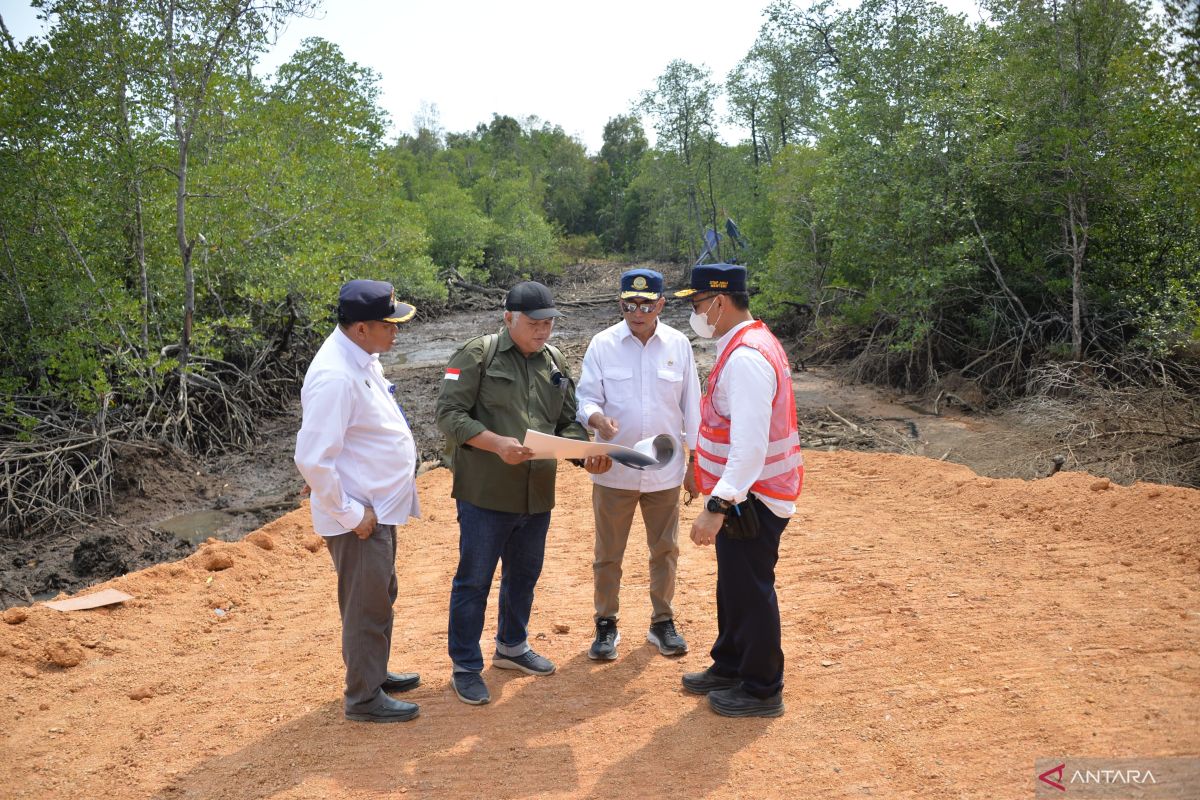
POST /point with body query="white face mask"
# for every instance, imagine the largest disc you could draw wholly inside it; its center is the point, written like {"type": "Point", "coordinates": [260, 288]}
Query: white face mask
{"type": "Point", "coordinates": [701, 325]}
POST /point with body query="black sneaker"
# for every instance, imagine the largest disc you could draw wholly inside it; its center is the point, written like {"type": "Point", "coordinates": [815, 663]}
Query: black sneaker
{"type": "Point", "coordinates": [470, 688]}
{"type": "Point", "coordinates": [607, 639]}
{"type": "Point", "coordinates": [528, 662]}
{"type": "Point", "coordinates": [737, 702]}
{"type": "Point", "coordinates": [708, 681]}
{"type": "Point", "coordinates": [664, 636]}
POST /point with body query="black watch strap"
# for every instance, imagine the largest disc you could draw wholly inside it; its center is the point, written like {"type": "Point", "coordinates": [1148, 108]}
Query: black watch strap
{"type": "Point", "coordinates": [718, 505]}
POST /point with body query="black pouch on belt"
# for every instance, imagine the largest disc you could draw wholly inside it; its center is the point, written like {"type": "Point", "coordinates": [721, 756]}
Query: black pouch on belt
{"type": "Point", "coordinates": [741, 521]}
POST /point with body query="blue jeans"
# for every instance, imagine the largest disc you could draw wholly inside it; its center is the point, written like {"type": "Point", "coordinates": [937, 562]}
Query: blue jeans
{"type": "Point", "coordinates": [486, 537]}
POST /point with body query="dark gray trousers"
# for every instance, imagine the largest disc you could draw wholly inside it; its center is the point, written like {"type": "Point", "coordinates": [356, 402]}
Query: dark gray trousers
{"type": "Point", "coordinates": [367, 588]}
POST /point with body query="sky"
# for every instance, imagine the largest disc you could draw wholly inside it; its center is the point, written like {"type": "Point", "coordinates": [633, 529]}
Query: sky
{"type": "Point", "coordinates": [571, 64]}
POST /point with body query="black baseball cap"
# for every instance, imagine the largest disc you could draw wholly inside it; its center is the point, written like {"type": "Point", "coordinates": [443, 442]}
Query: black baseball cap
{"type": "Point", "coordinates": [367, 301]}
{"type": "Point", "coordinates": [532, 299]}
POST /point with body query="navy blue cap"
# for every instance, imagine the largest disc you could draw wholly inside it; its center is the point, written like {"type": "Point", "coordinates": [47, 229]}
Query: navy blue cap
{"type": "Point", "coordinates": [641, 283]}
{"type": "Point", "coordinates": [532, 299]}
{"type": "Point", "coordinates": [365, 301]}
{"type": "Point", "coordinates": [720, 278]}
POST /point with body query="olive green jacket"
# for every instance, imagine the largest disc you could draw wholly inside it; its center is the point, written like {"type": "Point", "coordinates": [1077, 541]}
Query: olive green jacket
{"type": "Point", "coordinates": [516, 394]}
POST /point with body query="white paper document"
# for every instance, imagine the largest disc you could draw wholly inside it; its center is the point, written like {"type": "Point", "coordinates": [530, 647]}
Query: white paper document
{"type": "Point", "coordinates": [648, 454]}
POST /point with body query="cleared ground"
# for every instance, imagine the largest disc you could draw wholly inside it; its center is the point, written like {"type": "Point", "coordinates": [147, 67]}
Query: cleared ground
{"type": "Point", "coordinates": [942, 631]}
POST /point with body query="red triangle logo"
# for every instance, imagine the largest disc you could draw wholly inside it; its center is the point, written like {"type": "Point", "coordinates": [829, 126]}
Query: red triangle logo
{"type": "Point", "coordinates": [1057, 772]}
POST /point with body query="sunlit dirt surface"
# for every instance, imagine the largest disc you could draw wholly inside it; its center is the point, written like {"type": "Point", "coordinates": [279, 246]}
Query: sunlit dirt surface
{"type": "Point", "coordinates": [942, 630]}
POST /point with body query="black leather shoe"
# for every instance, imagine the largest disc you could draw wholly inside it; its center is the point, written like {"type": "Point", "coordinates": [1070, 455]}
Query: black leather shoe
{"type": "Point", "coordinates": [707, 681]}
{"type": "Point", "coordinates": [386, 710]}
{"type": "Point", "coordinates": [400, 681]}
{"type": "Point", "coordinates": [737, 702]}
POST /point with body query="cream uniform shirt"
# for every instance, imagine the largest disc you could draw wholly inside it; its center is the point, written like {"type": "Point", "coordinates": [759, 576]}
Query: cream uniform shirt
{"type": "Point", "coordinates": [354, 446]}
{"type": "Point", "coordinates": [648, 389]}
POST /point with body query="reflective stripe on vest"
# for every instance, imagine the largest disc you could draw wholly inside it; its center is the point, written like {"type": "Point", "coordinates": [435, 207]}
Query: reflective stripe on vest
{"type": "Point", "coordinates": [782, 474]}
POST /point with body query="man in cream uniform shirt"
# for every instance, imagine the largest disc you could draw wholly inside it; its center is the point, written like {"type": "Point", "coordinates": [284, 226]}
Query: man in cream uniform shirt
{"type": "Point", "coordinates": [356, 452]}
{"type": "Point", "coordinates": [639, 380]}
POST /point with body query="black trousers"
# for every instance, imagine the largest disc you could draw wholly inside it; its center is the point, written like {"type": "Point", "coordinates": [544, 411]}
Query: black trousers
{"type": "Point", "coordinates": [748, 636]}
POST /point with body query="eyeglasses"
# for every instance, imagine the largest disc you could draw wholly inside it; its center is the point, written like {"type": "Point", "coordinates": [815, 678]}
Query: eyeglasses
{"type": "Point", "coordinates": [645, 308]}
{"type": "Point", "coordinates": [696, 301]}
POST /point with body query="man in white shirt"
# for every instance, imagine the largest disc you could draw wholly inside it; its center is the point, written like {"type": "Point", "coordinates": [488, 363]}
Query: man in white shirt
{"type": "Point", "coordinates": [357, 454]}
{"type": "Point", "coordinates": [639, 380]}
{"type": "Point", "coordinates": [748, 463]}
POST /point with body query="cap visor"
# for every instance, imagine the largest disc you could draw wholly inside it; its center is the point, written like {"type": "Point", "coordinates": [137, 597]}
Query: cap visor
{"type": "Point", "coordinates": [643, 295]}
{"type": "Point", "coordinates": [543, 313]}
{"type": "Point", "coordinates": [686, 292]}
{"type": "Point", "coordinates": [403, 313]}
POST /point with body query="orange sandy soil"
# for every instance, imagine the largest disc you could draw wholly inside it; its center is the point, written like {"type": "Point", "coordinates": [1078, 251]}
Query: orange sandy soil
{"type": "Point", "coordinates": [941, 630]}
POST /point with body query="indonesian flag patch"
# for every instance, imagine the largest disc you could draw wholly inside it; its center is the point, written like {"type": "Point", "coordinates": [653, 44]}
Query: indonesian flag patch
{"type": "Point", "coordinates": [452, 374]}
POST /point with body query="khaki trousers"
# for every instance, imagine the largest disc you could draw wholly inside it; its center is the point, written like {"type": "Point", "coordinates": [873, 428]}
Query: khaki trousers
{"type": "Point", "coordinates": [614, 515]}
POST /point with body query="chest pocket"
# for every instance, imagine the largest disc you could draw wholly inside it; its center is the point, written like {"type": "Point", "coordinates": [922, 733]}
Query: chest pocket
{"type": "Point", "coordinates": [498, 388]}
{"type": "Point", "coordinates": [618, 383]}
{"type": "Point", "coordinates": [670, 384]}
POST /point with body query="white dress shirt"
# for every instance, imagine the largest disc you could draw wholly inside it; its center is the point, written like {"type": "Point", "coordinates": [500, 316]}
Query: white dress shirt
{"type": "Point", "coordinates": [648, 389]}
{"type": "Point", "coordinates": [747, 386]}
{"type": "Point", "coordinates": [354, 448]}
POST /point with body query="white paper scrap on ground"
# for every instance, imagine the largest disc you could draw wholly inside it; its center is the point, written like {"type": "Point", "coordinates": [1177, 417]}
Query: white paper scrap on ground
{"type": "Point", "coordinates": [104, 598]}
{"type": "Point", "coordinates": [648, 454]}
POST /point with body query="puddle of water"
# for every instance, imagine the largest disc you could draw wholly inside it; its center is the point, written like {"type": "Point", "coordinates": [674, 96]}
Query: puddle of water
{"type": "Point", "coordinates": [196, 526]}
{"type": "Point", "coordinates": [419, 354]}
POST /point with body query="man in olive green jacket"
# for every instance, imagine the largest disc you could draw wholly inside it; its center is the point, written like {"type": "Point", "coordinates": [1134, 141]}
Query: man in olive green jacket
{"type": "Point", "coordinates": [495, 388]}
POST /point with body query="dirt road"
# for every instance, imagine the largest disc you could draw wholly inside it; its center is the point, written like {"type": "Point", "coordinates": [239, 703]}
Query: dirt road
{"type": "Point", "coordinates": [942, 631]}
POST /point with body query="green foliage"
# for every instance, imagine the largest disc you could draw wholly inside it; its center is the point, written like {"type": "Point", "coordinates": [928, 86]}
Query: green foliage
{"type": "Point", "coordinates": [1028, 180]}
{"type": "Point", "coordinates": [942, 185]}
{"type": "Point", "coordinates": [615, 213]}
{"type": "Point", "coordinates": [458, 230]}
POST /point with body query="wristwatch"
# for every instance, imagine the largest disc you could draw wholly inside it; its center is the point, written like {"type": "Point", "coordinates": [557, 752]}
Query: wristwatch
{"type": "Point", "coordinates": [717, 505]}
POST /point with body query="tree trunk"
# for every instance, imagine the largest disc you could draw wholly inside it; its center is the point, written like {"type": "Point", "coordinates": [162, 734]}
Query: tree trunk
{"type": "Point", "coordinates": [1076, 235]}
{"type": "Point", "coordinates": [754, 138]}
{"type": "Point", "coordinates": [134, 184]}
{"type": "Point", "coordinates": [182, 134]}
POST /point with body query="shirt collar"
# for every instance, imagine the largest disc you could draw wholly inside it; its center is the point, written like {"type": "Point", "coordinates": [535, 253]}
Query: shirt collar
{"type": "Point", "coordinates": [626, 333]}
{"type": "Point", "coordinates": [506, 342]}
{"type": "Point", "coordinates": [354, 353]}
{"type": "Point", "coordinates": [724, 340]}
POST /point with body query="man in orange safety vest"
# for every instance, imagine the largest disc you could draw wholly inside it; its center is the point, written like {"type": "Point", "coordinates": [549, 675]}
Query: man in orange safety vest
{"type": "Point", "coordinates": [750, 470]}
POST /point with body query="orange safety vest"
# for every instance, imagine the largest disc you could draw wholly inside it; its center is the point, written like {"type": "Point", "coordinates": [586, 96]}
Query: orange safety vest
{"type": "Point", "coordinates": [783, 470]}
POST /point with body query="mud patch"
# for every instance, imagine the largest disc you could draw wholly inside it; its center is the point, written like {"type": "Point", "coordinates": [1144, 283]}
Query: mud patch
{"type": "Point", "coordinates": [99, 557]}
